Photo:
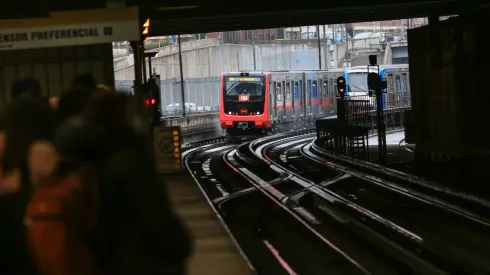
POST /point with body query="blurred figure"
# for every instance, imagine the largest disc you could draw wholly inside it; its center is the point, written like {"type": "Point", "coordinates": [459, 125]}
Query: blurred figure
{"type": "Point", "coordinates": [72, 103]}
{"type": "Point", "coordinates": [54, 102]}
{"type": "Point", "coordinates": [84, 82]}
{"type": "Point", "coordinates": [60, 213]}
{"type": "Point", "coordinates": [104, 87]}
{"type": "Point", "coordinates": [138, 232]}
{"type": "Point", "coordinates": [26, 87]}
{"type": "Point", "coordinates": [22, 122]}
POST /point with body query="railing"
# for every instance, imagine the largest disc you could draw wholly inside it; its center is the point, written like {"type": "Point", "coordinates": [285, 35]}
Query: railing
{"type": "Point", "coordinates": [357, 121]}
{"type": "Point", "coordinates": [361, 111]}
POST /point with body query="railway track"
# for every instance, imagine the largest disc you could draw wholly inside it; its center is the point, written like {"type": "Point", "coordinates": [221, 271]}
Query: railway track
{"type": "Point", "coordinates": [294, 212]}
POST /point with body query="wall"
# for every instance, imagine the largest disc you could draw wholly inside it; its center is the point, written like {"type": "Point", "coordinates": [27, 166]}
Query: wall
{"type": "Point", "coordinates": [211, 60]}
{"type": "Point", "coordinates": [119, 52]}
{"type": "Point", "coordinates": [364, 60]}
{"type": "Point", "coordinates": [122, 62]}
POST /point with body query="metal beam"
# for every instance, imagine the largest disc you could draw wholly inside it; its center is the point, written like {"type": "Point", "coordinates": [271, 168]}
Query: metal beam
{"type": "Point", "coordinates": [183, 25]}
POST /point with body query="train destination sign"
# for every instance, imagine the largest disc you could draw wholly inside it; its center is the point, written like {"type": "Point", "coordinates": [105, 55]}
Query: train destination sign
{"type": "Point", "coordinates": [243, 98]}
{"type": "Point", "coordinates": [245, 79]}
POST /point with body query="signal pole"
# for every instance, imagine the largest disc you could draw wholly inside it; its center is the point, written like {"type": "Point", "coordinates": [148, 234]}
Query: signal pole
{"type": "Point", "coordinates": [319, 47]}
{"type": "Point", "coordinates": [341, 87]}
{"type": "Point", "coordinates": [181, 77]}
{"type": "Point", "coordinates": [376, 84]}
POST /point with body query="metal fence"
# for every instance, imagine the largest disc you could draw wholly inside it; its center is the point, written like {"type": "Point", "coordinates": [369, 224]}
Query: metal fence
{"type": "Point", "coordinates": [201, 95]}
{"type": "Point", "coordinates": [349, 134]}
{"type": "Point", "coordinates": [361, 110]}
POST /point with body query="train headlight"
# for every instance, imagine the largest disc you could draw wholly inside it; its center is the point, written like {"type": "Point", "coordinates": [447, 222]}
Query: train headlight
{"type": "Point", "coordinates": [229, 113]}
{"type": "Point", "coordinates": [258, 113]}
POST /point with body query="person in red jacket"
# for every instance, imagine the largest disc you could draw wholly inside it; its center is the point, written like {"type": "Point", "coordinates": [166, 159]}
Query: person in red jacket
{"type": "Point", "coordinates": [22, 122]}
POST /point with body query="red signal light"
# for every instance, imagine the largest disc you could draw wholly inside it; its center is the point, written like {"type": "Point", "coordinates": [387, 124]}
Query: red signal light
{"type": "Point", "coordinates": [150, 101]}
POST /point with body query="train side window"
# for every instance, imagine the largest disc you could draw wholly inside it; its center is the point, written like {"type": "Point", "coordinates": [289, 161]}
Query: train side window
{"type": "Point", "coordinates": [402, 85]}
{"type": "Point", "coordinates": [283, 92]}
{"type": "Point", "coordinates": [406, 82]}
{"type": "Point", "coordinates": [308, 88]}
{"type": "Point", "coordinates": [398, 84]}
{"type": "Point", "coordinates": [288, 91]}
{"type": "Point", "coordinates": [301, 89]}
{"type": "Point", "coordinates": [314, 89]}
{"type": "Point", "coordinates": [320, 87]}
{"type": "Point", "coordinates": [331, 88]}
{"type": "Point", "coordinates": [325, 88]}
{"type": "Point", "coordinates": [296, 90]}
{"type": "Point", "coordinates": [278, 91]}
{"type": "Point", "coordinates": [390, 83]}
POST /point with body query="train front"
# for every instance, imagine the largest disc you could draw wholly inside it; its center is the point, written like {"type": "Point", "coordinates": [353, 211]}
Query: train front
{"type": "Point", "coordinates": [244, 104]}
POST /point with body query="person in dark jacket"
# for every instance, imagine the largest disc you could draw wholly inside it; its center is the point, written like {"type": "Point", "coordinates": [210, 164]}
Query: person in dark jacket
{"type": "Point", "coordinates": [84, 82]}
{"type": "Point", "coordinates": [72, 103]}
{"type": "Point", "coordinates": [26, 86]}
{"type": "Point", "coordinates": [138, 233]}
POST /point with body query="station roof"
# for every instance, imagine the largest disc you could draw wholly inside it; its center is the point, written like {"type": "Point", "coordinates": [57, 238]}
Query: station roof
{"type": "Point", "coordinates": [193, 16]}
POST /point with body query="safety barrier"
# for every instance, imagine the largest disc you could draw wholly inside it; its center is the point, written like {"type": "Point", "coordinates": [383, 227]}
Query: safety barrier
{"type": "Point", "coordinates": [357, 121]}
{"type": "Point", "coordinates": [195, 126]}
{"type": "Point", "coordinates": [361, 111]}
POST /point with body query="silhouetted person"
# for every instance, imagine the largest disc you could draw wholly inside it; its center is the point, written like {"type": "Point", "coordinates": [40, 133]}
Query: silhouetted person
{"type": "Point", "coordinates": [138, 233]}
{"type": "Point", "coordinates": [26, 87]}
{"type": "Point", "coordinates": [84, 82]}
{"type": "Point", "coordinates": [22, 122]}
{"type": "Point", "coordinates": [72, 103]}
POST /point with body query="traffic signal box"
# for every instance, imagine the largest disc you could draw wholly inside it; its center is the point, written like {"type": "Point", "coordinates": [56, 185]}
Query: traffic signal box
{"type": "Point", "coordinates": [341, 86]}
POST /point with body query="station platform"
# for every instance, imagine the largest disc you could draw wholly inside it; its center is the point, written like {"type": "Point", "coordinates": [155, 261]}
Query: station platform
{"type": "Point", "coordinates": [391, 139]}
{"type": "Point", "coordinates": [215, 252]}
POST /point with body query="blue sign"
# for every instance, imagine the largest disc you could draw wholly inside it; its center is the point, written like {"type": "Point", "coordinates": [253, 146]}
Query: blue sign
{"type": "Point", "coordinates": [174, 38]}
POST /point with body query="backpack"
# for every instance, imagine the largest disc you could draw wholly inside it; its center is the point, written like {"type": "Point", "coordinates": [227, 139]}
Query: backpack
{"type": "Point", "coordinates": [58, 216]}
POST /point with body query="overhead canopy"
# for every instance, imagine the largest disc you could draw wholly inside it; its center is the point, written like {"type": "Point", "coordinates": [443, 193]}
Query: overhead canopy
{"type": "Point", "coordinates": [193, 16]}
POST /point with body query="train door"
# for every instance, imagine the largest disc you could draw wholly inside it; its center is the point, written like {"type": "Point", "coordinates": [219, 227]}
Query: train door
{"type": "Point", "coordinates": [308, 97]}
{"type": "Point", "coordinates": [332, 96]}
{"type": "Point", "coordinates": [287, 100]}
{"type": "Point", "coordinates": [397, 98]}
{"type": "Point", "coordinates": [279, 100]}
{"type": "Point", "coordinates": [283, 106]}
{"type": "Point", "coordinates": [314, 98]}
{"type": "Point", "coordinates": [272, 101]}
{"type": "Point", "coordinates": [406, 90]}
{"type": "Point", "coordinates": [297, 100]}
{"type": "Point", "coordinates": [390, 88]}
{"type": "Point", "coordinates": [325, 100]}
{"type": "Point", "coordinates": [302, 97]}
{"type": "Point", "coordinates": [320, 96]}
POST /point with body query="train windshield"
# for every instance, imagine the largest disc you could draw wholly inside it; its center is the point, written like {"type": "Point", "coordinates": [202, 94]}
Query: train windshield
{"type": "Point", "coordinates": [253, 87]}
{"type": "Point", "coordinates": [244, 95]}
{"type": "Point", "coordinates": [357, 82]}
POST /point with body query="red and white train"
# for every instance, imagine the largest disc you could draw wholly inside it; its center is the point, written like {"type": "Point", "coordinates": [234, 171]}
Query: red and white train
{"type": "Point", "coordinates": [256, 103]}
